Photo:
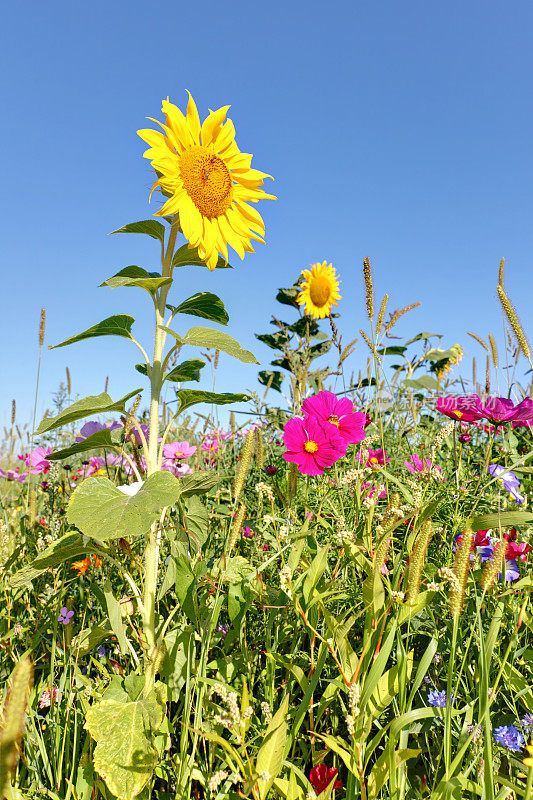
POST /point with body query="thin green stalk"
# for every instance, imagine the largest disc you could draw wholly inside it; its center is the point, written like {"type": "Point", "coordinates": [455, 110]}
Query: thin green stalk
{"type": "Point", "coordinates": [448, 714]}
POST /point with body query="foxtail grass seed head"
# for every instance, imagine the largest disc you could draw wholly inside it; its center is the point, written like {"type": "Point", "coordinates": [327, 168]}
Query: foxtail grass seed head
{"type": "Point", "coordinates": [369, 287]}
{"type": "Point", "coordinates": [493, 567]}
{"type": "Point", "coordinates": [460, 571]}
{"type": "Point", "coordinates": [494, 350]}
{"type": "Point", "coordinates": [443, 434]}
{"type": "Point", "coordinates": [217, 354]}
{"type": "Point", "coordinates": [396, 315]}
{"type": "Point", "coordinates": [260, 455]}
{"type": "Point", "coordinates": [381, 314]}
{"type": "Point", "coordinates": [514, 322]}
{"type": "Point", "coordinates": [232, 423]}
{"type": "Point", "coordinates": [478, 339]}
{"type": "Point", "coordinates": [244, 463]}
{"type": "Point", "coordinates": [236, 526]}
{"type": "Point", "coordinates": [474, 376]}
{"type": "Point", "coordinates": [14, 714]}
{"type": "Point", "coordinates": [13, 411]}
{"type": "Point", "coordinates": [417, 560]}
{"type": "Point", "coordinates": [500, 272]}
{"type": "Point", "coordinates": [41, 327]}
{"type": "Point", "coordinates": [487, 375]}
{"type": "Point", "coordinates": [69, 387]}
{"type": "Point", "coordinates": [369, 344]}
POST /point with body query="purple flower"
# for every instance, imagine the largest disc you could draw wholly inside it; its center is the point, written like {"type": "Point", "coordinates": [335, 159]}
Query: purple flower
{"type": "Point", "coordinates": [512, 573]}
{"type": "Point", "coordinates": [101, 651]}
{"type": "Point", "coordinates": [65, 616]}
{"type": "Point", "coordinates": [508, 480]}
{"type": "Point", "coordinates": [510, 737]}
{"type": "Point", "coordinates": [223, 629]}
{"type": "Point", "coordinates": [437, 699]}
{"type": "Point", "coordinates": [527, 721]}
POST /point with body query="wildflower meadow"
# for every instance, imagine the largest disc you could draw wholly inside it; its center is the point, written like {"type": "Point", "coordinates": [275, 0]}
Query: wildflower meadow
{"type": "Point", "coordinates": [328, 596]}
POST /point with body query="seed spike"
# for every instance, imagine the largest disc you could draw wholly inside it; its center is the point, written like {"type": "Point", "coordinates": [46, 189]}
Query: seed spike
{"type": "Point", "coordinates": [514, 322]}
{"type": "Point", "coordinates": [500, 273]}
{"type": "Point", "coordinates": [395, 316]}
{"type": "Point", "coordinates": [494, 350]}
{"type": "Point", "coordinates": [381, 314]}
{"type": "Point", "coordinates": [41, 327]}
{"type": "Point", "coordinates": [369, 286]}
{"type": "Point", "coordinates": [478, 339]}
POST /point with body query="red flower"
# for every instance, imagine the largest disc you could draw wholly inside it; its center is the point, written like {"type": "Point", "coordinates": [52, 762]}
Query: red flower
{"type": "Point", "coordinates": [515, 551]}
{"type": "Point", "coordinates": [321, 777]}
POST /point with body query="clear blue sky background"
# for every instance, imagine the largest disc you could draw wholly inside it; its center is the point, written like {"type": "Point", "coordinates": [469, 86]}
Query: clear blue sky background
{"type": "Point", "coordinates": [402, 131]}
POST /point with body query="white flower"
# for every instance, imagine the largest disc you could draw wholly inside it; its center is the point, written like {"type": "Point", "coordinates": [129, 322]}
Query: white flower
{"type": "Point", "coordinates": [130, 489]}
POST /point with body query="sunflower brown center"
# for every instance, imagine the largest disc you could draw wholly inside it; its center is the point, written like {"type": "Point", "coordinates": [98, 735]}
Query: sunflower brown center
{"type": "Point", "coordinates": [320, 290]}
{"type": "Point", "coordinates": [206, 180]}
{"type": "Point", "coordinates": [310, 446]}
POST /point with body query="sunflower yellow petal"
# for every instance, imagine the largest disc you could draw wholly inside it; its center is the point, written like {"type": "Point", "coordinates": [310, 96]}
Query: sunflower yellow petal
{"type": "Point", "coordinates": [212, 125]}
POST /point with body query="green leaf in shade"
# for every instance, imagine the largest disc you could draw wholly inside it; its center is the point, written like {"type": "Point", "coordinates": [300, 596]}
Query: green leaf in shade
{"type": "Point", "coordinates": [198, 483]}
{"type": "Point", "coordinates": [423, 335]}
{"type": "Point", "coordinates": [102, 511]}
{"type": "Point", "coordinates": [203, 304]}
{"type": "Point", "coordinates": [305, 326]}
{"type": "Point", "coordinates": [186, 371]}
{"type": "Point", "coordinates": [103, 438]}
{"type": "Point", "coordinates": [190, 397]}
{"type": "Point", "coordinates": [395, 350]}
{"type": "Point", "coordinates": [149, 226]}
{"type": "Point", "coordinates": [88, 407]}
{"type": "Point", "coordinates": [70, 546]}
{"type": "Point", "coordinates": [274, 340]}
{"type": "Point", "coordinates": [504, 519]}
{"type": "Point", "coordinates": [319, 349]}
{"type": "Point", "coordinates": [124, 755]}
{"type": "Point", "coordinates": [277, 378]}
{"type": "Point", "coordinates": [119, 325]}
{"type": "Point", "coordinates": [188, 257]}
{"type": "Point", "coordinates": [216, 340]}
{"type": "Point", "coordinates": [87, 639]}
{"type": "Point", "coordinates": [270, 754]}
{"type": "Point", "coordinates": [425, 382]}
{"type": "Point", "coordinates": [137, 276]}
{"type": "Point", "coordinates": [288, 296]}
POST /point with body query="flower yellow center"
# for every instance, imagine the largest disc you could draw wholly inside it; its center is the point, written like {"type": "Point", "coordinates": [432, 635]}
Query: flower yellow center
{"type": "Point", "coordinates": [374, 460]}
{"type": "Point", "coordinates": [320, 290]}
{"type": "Point", "coordinates": [334, 420]}
{"type": "Point", "coordinates": [206, 180]}
{"type": "Point", "coordinates": [310, 446]}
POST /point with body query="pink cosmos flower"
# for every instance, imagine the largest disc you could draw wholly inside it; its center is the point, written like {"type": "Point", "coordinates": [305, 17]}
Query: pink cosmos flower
{"type": "Point", "coordinates": [93, 427]}
{"type": "Point", "coordinates": [178, 450]}
{"type": "Point", "coordinates": [496, 409]}
{"type": "Point", "coordinates": [450, 407]}
{"type": "Point", "coordinates": [13, 475]}
{"type": "Point", "coordinates": [210, 444]}
{"type": "Point", "coordinates": [371, 490]}
{"type": "Point", "coordinates": [248, 533]}
{"type": "Point", "coordinates": [95, 465]}
{"type": "Point", "coordinates": [420, 465]}
{"type": "Point", "coordinates": [36, 460]}
{"type": "Point", "coordinates": [177, 468]}
{"type": "Point", "coordinates": [321, 777]}
{"type": "Point", "coordinates": [327, 408]}
{"type": "Point", "coordinates": [311, 445]}
{"type": "Point", "coordinates": [375, 458]}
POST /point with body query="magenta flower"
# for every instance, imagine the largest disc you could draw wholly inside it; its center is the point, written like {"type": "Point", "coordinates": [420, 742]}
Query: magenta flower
{"type": "Point", "coordinates": [328, 409]}
{"type": "Point", "coordinates": [311, 445]}
{"type": "Point", "coordinates": [13, 475]}
{"type": "Point", "coordinates": [496, 409]}
{"type": "Point", "coordinates": [376, 458]}
{"type": "Point", "coordinates": [177, 468]}
{"type": "Point", "coordinates": [450, 407]}
{"type": "Point", "coordinates": [36, 460]}
{"type": "Point", "coordinates": [248, 533]}
{"type": "Point", "coordinates": [420, 465]}
{"type": "Point", "coordinates": [178, 450]}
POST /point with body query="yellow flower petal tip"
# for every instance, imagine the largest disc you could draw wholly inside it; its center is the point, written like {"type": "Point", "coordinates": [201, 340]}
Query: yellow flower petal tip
{"type": "Point", "coordinates": [319, 290]}
{"type": "Point", "coordinates": [207, 181]}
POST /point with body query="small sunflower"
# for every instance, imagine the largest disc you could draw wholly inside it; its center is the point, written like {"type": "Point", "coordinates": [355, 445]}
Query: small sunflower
{"type": "Point", "coordinates": [319, 290]}
{"type": "Point", "coordinates": [207, 180]}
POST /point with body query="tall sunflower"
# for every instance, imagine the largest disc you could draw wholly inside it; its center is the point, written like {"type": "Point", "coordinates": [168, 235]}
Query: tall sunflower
{"type": "Point", "coordinates": [319, 290]}
{"type": "Point", "coordinates": [207, 180]}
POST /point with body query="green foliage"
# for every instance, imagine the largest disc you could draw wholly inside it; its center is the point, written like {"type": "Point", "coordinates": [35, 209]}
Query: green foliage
{"type": "Point", "coordinates": [188, 256]}
{"type": "Point", "coordinates": [203, 304]}
{"type": "Point", "coordinates": [148, 226]}
{"type": "Point", "coordinates": [210, 338]}
{"type": "Point", "coordinates": [190, 397]}
{"type": "Point", "coordinates": [88, 407]}
{"type": "Point", "coordinates": [118, 325]}
{"type": "Point", "coordinates": [139, 277]}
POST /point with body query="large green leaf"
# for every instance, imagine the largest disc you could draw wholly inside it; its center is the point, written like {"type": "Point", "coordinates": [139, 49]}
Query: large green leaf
{"type": "Point", "coordinates": [149, 226]}
{"type": "Point", "coordinates": [186, 371]}
{"type": "Point", "coordinates": [270, 755]}
{"type": "Point", "coordinates": [88, 407]}
{"type": "Point", "coordinates": [102, 511]}
{"type": "Point", "coordinates": [274, 340]}
{"type": "Point", "coordinates": [125, 756]}
{"type": "Point", "coordinates": [188, 257]}
{"type": "Point", "coordinates": [203, 304]}
{"type": "Point", "coordinates": [70, 546]}
{"type": "Point", "coordinates": [198, 483]}
{"type": "Point", "coordinates": [277, 378]}
{"type": "Point", "coordinates": [119, 325]}
{"type": "Point", "coordinates": [137, 276]}
{"type": "Point", "coordinates": [425, 382]}
{"type": "Point", "coordinates": [190, 397]}
{"type": "Point", "coordinates": [505, 518]}
{"type": "Point", "coordinates": [288, 296]}
{"type": "Point", "coordinates": [216, 340]}
{"type": "Point", "coordinates": [103, 438]}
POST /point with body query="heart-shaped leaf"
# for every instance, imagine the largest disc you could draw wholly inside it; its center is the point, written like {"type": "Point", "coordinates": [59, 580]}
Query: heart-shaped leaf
{"type": "Point", "coordinates": [119, 325]}
{"type": "Point", "coordinates": [103, 438]}
{"type": "Point", "coordinates": [87, 407]}
{"type": "Point", "coordinates": [102, 511]}
{"type": "Point", "coordinates": [203, 304]}
{"type": "Point", "coordinates": [186, 371]}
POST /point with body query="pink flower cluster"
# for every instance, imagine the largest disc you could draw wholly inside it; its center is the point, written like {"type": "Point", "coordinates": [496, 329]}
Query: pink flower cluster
{"type": "Point", "coordinates": [174, 455]}
{"type": "Point", "coordinates": [497, 410]}
{"type": "Point", "coordinates": [321, 438]}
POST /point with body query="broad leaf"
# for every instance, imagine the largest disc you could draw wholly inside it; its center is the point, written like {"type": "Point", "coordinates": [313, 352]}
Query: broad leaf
{"type": "Point", "coordinates": [423, 335]}
{"type": "Point", "coordinates": [305, 326]}
{"type": "Point", "coordinates": [88, 407]}
{"type": "Point", "coordinates": [216, 340]}
{"type": "Point", "coordinates": [149, 226]}
{"type": "Point", "coordinates": [277, 378]}
{"type": "Point", "coordinates": [103, 438]}
{"type": "Point", "coordinates": [394, 350]}
{"type": "Point", "coordinates": [274, 340]}
{"type": "Point", "coordinates": [288, 296]}
{"type": "Point", "coordinates": [188, 257]}
{"type": "Point", "coordinates": [125, 756]}
{"type": "Point", "coordinates": [119, 325]}
{"type": "Point", "coordinates": [203, 304]}
{"type": "Point", "coordinates": [102, 511]}
{"type": "Point", "coordinates": [137, 276]}
{"type": "Point", "coordinates": [70, 546]}
{"type": "Point", "coordinates": [198, 483]}
{"type": "Point", "coordinates": [504, 519]}
{"type": "Point", "coordinates": [319, 349]}
{"type": "Point", "coordinates": [270, 755]}
{"type": "Point", "coordinates": [186, 371]}
{"type": "Point", "coordinates": [190, 397]}
{"type": "Point", "coordinates": [425, 382]}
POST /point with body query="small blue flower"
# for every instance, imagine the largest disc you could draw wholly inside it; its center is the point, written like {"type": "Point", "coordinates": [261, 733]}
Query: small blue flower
{"type": "Point", "coordinates": [508, 480]}
{"type": "Point", "coordinates": [512, 573]}
{"type": "Point", "coordinates": [437, 699]}
{"type": "Point", "coordinates": [527, 721]}
{"type": "Point", "coordinates": [510, 737]}
{"type": "Point", "coordinates": [101, 651]}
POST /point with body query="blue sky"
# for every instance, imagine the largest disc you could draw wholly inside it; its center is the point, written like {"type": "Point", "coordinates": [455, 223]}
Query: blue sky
{"type": "Point", "coordinates": [402, 131]}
